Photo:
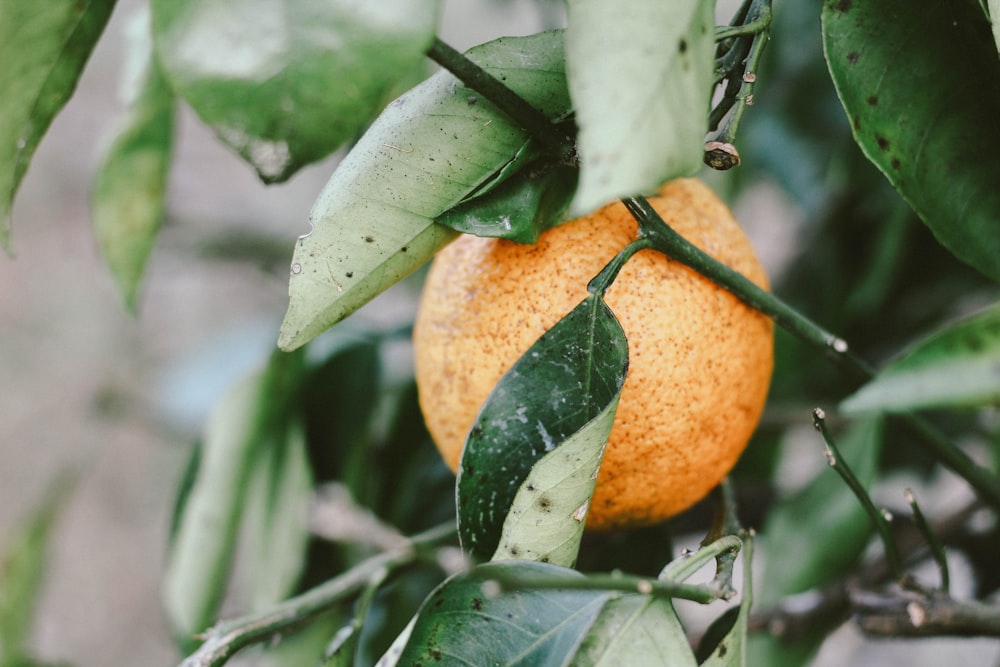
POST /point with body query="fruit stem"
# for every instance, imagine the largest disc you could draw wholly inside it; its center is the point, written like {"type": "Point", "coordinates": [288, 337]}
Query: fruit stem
{"type": "Point", "coordinates": [533, 121]}
{"type": "Point", "coordinates": [880, 518]}
{"type": "Point", "coordinates": [599, 283]}
{"type": "Point", "coordinates": [675, 246]}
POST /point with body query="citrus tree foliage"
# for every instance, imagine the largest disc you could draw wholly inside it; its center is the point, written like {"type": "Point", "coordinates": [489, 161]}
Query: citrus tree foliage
{"type": "Point", "coordinates": [875, 119]}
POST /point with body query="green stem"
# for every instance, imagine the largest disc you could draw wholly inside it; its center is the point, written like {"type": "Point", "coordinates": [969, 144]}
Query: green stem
{"type": "Point", "coordinates": [599, 283]}
{"type": "Point", "coordinates": [533, 121]}
{"type": "Point", "coordinates": [937, 549]}
{"type": "Point", "coordinates": [225, 639]}
{"type": "Point", "coordinates": [878, 517]}
{"type": "Point", "coordinates": [675, 246]}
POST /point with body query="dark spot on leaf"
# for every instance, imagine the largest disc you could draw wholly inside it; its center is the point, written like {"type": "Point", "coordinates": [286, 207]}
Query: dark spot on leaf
{"type": "Point", "coordinates": [543, 559]}
{"type": "Point", "coordinates": [529, 487]}
{"type": "Point", "coordinates": [843, 5]}
{"type": "Point", "coordinates": [683, 46]}
{"type": "Point", "coordinates": [882, 142]}
{"type": "Point", "coordinates": [405, 248]}
{"type": "Point", "coordinates": [852, 57]}
{"type": "Point", "coordinates": [469, 470]}
{"type": "Point", "coordinates": [436, 654]}
{"type": "Point", "coordinates": [872, 100]}
{"type": "Point", "coordinates": [350, 274]}
{"type": "Point", "coordinates": [722, 650]}
{"type": "Point", "coordinates": [514, 551]}
{"type": "Point", "coordinates": [477, 603]}
{"type": "Point", "coordinates": [895, 163]}
{"type": "Point", "coordinates": [472, 99]}
{"type": "Point", "coordinates": [544, 503]}
{"type": "Point", "coordinates": [369, 239]}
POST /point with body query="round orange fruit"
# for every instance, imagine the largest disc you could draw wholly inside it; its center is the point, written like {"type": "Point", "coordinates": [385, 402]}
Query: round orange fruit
{"type": "Point", "coordinates": [700, 360]}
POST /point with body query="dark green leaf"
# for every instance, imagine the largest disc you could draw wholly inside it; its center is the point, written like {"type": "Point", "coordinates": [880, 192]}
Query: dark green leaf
{"type": "Point", "coordinates": [286, 83]}
{"type": "Point", "coordinates": [127, 206]}
{"type": "Point", "coordinates": [570, 376]}
{"type": "Point", "coordinates": [920, 82]}
{"type": "Point", "coordinates": [636, 630]}
{"type": "Point", "coordinates": [251, 413]}
{"type": "Point", "coordinates": [22, 571]}
{"type": "Point", "coordinates": [373, 224]}
{"type": "Point", "coordinates": [522, 207]}
{"type": "Point", "coordinates": [44, 46]}
{"type": "Point", "coordinates": [641, 84]}
{"type": "Point", "coordinates": [959, 365]}
{"type": "Point", "coordinates": [469, 620]}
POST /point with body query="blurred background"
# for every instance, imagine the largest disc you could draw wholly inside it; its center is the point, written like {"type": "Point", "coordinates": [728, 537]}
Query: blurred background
{"type": "Point", "coordinates": [115, 401]}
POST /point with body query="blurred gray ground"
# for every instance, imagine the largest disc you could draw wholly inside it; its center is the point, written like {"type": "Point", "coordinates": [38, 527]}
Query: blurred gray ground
{"type": "Point", "coordinates": [85, 387]}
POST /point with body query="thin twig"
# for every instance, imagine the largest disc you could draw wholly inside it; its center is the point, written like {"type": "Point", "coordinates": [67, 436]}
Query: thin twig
{"type": "Point", "coordinates": [228, 637]}
{"type": "Point", "coordinates": [879, 517]}
{"type": "Point", "coordinates": [937, 550]}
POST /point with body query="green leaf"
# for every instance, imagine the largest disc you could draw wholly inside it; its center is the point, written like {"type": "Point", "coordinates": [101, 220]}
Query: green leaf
{"type": "Point", "coordinates": [522, 207]}
{"type": "Point", "coordinates": [641, 85]}
{"type": "Point", "coordinates": [127, 205]}
{"type": "Point", "coordinates": [44, 46]}
{"type": "Point", "coordinates": [563, 390]}
{"type": "Point", "coordinates": [198, 563]}
{"type": "Point", "coordinates": [636, 630]}
{"type": "Point", "coordinates": [547, 516]}
{"type": "Point", "coordinates": [373, 224]}
{"type": "Point", "coordinates": [815, 536]}
{"type": "Point", "coordinates": [958, 365]}
{"type": "Point", "coordinates": [921, 86]}
{"type": "Point", "coordinates": [284, 83]}
{"type": "Point", "coordinates": [22, 572]}
{"type": "Point", "coordinates": [276, 518]}
{"type": "Point", "coordinates": [468, 620]}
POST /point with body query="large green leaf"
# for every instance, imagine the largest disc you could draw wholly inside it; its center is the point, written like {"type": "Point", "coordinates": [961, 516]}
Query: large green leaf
{"type": "Point", "coordinates": [432, 148]}
{"type": "Point", "coordinates": [285, 82]}
{"type": "Point", "coordinates": [641, 84]}
{"type": "Point", "coordinates": [564, 388]}
{"type": "Point", "coordinates": [468, 620]}
{"type": "Point", "coordinates": [920, 82]}
{"type": "Point", "coordinates": [127, 205]}
{"type": "Point", "coordinates": [959, 365]}
{"type": "Point", "coordinates": [44, 46]}
{"type": "Point", "coordinates": [815, 536]}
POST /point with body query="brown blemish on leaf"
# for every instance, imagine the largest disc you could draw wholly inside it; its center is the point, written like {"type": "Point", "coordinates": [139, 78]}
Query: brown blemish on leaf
{"type": "Point", "coordinates": [852, 57]}
{"type": "Point", "coordinates": [882, 142]}
{"type": "Point", "coordinates": [872, 100]}
{"type": "Point", "coordinates": [843, 5]}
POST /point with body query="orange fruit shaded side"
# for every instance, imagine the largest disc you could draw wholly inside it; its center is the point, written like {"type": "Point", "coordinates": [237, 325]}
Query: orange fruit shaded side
{"type": "Point", "coordinates": [700, 360]}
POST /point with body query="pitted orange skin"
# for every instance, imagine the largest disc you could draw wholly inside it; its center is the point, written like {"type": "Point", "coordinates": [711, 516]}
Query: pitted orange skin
{"type": "Point", "coordinates": [700, 360]}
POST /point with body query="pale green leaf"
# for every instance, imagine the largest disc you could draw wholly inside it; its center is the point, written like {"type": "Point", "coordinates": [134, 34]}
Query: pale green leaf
{"type": "Point", "coordinates": [641, 81]}
{"type": "Point", "coordinates": [200, 556]}
{"type": "Point", "coordinates": [285, 82]}
{"type": "Point", "coordinates": [994, 7]}
{"type": "Point", "coordinates": [373, 224]}
{"type": "Point", "coordinates": [959, 365]}
{"type": "Point", "coordinates": [127, 204]}
{"type": "Point", "coordinates": [277, 519]}
{"type": "Point", "coordinates": [44, 46]}
{"type": "Point", "coordinates": [636, 630]}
